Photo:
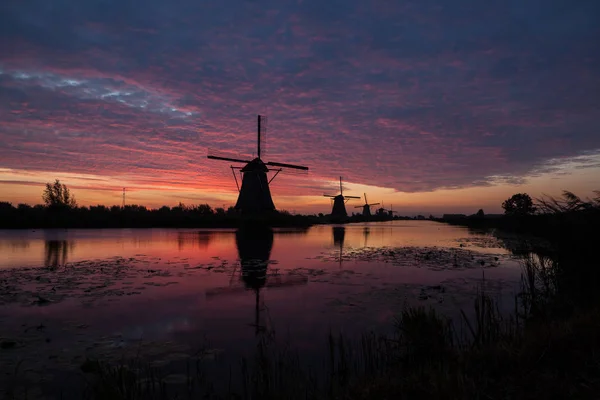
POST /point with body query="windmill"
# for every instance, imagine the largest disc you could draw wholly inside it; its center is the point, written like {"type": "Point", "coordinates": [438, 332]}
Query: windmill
{"type": "Point", "coordinates": [339, 203]}
{"type": "Point", "coordinates": [254, 195]}
{"type": "Point", "coordinates": [391, 212]}
{"type": "Point", "coordinates": [366, 207]}
{"type": "Point", "coordinates": [254, 247]}
{"type": "Point", "coordinates": [381, 211]}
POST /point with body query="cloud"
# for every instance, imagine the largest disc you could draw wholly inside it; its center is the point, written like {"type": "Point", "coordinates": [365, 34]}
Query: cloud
{"type": "Point", "coordinates": [413, 96]}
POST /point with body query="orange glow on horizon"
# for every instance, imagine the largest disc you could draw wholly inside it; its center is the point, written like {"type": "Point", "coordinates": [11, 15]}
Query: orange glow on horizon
{"type": "Point", "coordinates": [19, 186]}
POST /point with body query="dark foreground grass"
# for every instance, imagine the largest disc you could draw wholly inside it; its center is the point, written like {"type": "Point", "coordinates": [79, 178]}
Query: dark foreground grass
{"type": "Point", "coordinates": [427, 359]}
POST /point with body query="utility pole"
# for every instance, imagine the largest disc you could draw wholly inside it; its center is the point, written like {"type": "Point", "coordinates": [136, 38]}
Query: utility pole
{"type": "Point", "coordinates": [123, 206]}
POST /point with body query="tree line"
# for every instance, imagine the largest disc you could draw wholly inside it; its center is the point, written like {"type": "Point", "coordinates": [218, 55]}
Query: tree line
{"type": "Point", "coordinates": [60, 210]}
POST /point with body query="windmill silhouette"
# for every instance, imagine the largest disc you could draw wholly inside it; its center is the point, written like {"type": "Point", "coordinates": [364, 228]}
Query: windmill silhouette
{"type": "Point", "coordinates": [254, 195]}
{"type": "Point", "coordinates": [381, 211]}
{"type": "Point", "coordinates": [391, 212]}
{"type": "Point", "coordinates": [339, 203]}
{"type": "Point", "coordinates": [366, 207]}
{"type": "Point", "coordinates": [254, 247]}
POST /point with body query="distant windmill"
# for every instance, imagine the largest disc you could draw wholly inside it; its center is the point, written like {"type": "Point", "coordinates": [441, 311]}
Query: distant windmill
{"type": "Point", "coordinates": [381, 211]}
{"type": "Point", "coordinates": [254, 195]}
{"type": "Point", "coordinates": [366, 207]}
{"type": "Point", "coordinates": [391, 212]}
{"type": "Point", "coordinates": [339, 203]}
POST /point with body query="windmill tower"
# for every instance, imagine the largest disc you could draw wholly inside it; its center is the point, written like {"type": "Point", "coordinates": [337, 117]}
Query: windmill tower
{"type": "Point", "coordinates": [254, 195]}
{"type": "Point", "coordinates": [366, 207]}
{"type": "Point", "coordinates": [339, 203]}
{"type": "Point", "coordinates": [391, 212]}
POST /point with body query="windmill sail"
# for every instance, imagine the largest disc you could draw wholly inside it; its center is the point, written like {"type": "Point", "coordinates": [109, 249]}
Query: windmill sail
{"type": "Point", "coordinates": [254, 194]}
{"type": "Point", "coordinates": [339, 203]}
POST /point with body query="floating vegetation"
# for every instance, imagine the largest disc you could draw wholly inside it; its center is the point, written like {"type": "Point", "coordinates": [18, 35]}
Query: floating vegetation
{"type": "Point", "coordinates": [433, 258]}
{"type": "Point", "coordinates": [88, 280]}
{"type": "Point", "coordinates": [484, 242]}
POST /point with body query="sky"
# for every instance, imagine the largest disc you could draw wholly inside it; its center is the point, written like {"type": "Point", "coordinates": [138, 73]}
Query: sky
{"type": "Point", "coordinates": [430, 106]}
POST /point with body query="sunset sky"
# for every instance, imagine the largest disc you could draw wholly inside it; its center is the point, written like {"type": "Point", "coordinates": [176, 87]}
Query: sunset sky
{"type": "Point", "coordinates": [433, 106]}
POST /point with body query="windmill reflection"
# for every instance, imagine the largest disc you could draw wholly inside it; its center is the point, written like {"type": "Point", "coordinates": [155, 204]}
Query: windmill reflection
{"type": "Point", "coordinates": [366, 233]}
{"type": "Point", "coordinates": [254, 247]}
{"type": "Point", "coordinates": [339, 233]}
{"type": "Point", "coordinates": [57, 252]}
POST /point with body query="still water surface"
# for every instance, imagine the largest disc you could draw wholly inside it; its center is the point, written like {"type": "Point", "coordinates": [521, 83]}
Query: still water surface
{"type": "Point", "coordinates": [65, 294]}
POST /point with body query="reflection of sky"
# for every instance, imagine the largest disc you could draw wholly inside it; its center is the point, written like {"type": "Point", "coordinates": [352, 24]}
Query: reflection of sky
{"type": "Point", "coordinates": [204, 246]}
{"type": "Point", "coordinates": [405, 98]}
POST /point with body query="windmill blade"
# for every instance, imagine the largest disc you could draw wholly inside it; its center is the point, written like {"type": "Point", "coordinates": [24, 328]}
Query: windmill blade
{"type": "Point", "coordinates": [358, 206]}
{"type": "Point", "coordinates": [366, 201]}
{"type": "Point", "coordinates": [329, 195]}
{"type": "Point", "coordinates": [373, 204]}
{"type": "Point", "coordinates": [290, 171]}
{"type": "Point", "coordinates": [352, 197]}
{"type": "Point", "coordinates": [276, 164]}
{"type": "Point", "coordinates": [227, 159]}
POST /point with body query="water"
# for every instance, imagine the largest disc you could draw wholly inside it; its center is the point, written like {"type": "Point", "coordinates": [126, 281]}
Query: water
{"type": "Point", "coordinates": [68, 294]}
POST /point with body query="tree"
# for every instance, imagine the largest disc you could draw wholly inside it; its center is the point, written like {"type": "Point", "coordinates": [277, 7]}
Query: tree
{"type": "Point", "coordinates": [518, 205]}
{"type": "Point", "coordinates": [58, 196]}
{"type": "Point", "coordinates": [480, 213]}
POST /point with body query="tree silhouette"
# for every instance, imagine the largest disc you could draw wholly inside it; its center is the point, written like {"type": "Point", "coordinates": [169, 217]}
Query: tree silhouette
{"type": "Point", "coordinates": [480, 213]}
{"type": "Point", "coordinates": [57, 196]}
{"type": "Point", "coordinates": [519, 204]}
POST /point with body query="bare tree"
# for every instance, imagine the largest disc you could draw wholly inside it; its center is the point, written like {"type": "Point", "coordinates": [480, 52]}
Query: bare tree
{"type": "Point", "coordinates": [58, 196]}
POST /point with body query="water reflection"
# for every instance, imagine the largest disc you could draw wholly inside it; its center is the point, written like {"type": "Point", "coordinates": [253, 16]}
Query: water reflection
{"type": "Point", "coordinates": [194, 239]}
{"type": "Point", "coordinates": [339, 234]}
{"type": "Point", "coordinates": [57, 252]}
{"type": "Point", "coordinates": [254, 246]}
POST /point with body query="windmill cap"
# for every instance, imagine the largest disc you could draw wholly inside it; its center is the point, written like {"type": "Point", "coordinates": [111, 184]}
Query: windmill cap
{"type": "Point", "coordinates": [255, 165]}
